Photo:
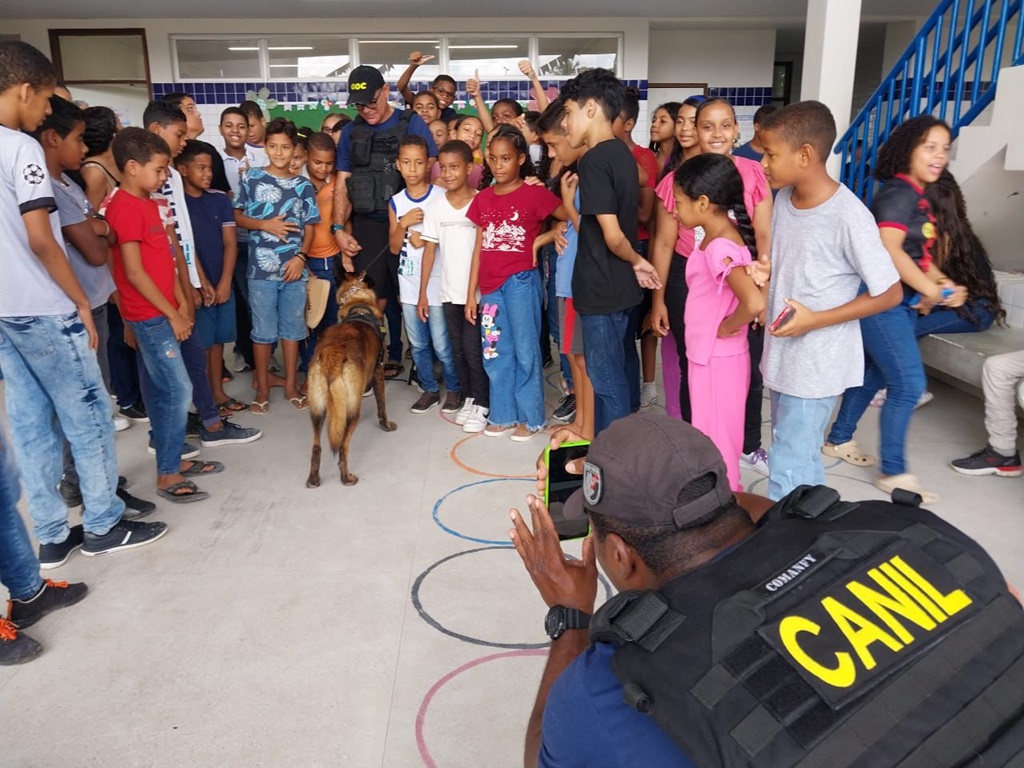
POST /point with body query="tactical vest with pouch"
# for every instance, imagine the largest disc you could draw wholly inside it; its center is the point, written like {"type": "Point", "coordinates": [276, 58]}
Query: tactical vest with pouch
{"type": "Point", "coordinates": [373, 158]}
{"type": "Point", "coordinates": [869, 634]}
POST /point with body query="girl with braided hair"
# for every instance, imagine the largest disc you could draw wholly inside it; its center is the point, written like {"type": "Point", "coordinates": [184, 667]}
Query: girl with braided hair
{"type": "Point", "coordinates": [721, 303]}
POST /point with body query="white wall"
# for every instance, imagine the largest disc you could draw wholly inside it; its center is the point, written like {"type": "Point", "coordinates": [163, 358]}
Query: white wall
{"type": "Point", "coordinates": [719, 57]}
{"type": "Point", "coordinates": [158, 32]}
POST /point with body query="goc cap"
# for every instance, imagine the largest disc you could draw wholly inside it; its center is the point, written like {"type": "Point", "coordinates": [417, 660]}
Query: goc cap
{"type": "Point", "coordinates": [363, 84]}
{"type": "Point", "coordinates": [637, 468]}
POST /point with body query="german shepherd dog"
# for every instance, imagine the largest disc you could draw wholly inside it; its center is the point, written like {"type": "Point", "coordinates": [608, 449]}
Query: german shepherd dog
{"type": "Point", "coordinates": [348, 358]}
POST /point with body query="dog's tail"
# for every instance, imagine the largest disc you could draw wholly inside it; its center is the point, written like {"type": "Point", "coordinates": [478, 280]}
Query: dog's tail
{"type": "Point", "coordinates": [337, 413]}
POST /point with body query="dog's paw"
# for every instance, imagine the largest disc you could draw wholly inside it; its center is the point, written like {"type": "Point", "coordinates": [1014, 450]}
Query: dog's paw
{"type": "Point", "coordinates": [313, 482]}
{"type": "Point", "coordinates": [388, 426]}
{"type": "Point", "coordinates": [349, 479]}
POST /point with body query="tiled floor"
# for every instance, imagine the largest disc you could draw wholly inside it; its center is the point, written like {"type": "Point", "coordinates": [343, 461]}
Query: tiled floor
{"type": "Point", "coordinates": [387, 624]}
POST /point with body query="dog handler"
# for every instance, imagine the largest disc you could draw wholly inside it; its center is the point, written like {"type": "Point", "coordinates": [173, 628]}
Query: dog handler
{"type": "Point", "coordinates": [826, 634]}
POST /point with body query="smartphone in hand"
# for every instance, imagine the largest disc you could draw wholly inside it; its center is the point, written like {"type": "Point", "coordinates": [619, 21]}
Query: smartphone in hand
{"type": "Point", "coordinates": [561, 484]}
{"type": "Point", "coordinates": [783, 317]}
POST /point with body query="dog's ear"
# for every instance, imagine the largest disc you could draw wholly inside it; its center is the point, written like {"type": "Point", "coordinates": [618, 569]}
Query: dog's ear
{"type": "Point", "coordinates": [361, 277]}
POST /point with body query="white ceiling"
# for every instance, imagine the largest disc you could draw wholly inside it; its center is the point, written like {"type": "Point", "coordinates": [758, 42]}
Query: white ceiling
{"type": "Point", "coordinates": [707, 11]}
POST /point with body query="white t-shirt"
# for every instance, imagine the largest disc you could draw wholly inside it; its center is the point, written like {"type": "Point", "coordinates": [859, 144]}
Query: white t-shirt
{"type": "Point", "coordinates": [410, 259]}
{"type": "Point", "coordinates": [820, 257]}
{"type": "Point", "coordinates": [73, 208]}
{"type": "Point", "coordinates": [26, 289]}
{"type": "Point", "coordinates": [173, 192]}
{"type": "Point", "coordinates": [456, 238]}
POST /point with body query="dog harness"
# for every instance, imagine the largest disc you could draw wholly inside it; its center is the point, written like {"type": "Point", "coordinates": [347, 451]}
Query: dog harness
{"type": "Point", "coordinates": [363, 313]}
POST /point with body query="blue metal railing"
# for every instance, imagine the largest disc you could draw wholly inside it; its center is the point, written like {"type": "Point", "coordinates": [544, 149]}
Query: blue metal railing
{"type": "Point", "coordinates": [942, 72]}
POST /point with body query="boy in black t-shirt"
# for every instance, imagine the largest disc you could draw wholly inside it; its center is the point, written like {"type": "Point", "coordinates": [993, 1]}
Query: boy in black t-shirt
{"type": "Point", "coordinates": [609, 272]}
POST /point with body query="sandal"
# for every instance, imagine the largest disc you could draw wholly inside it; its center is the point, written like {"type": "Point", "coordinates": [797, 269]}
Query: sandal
{"type": "Point", "coordinates": [192, 492]}
{"type": "Point", "coordinates": [393, 369]}
{"type": "Point", "coordinates": [230, 406]}
{"type": "Point", "coordinates": [300, 403]}
{"type": "Point", "coordinates": [203, 468]}
{"type": "Point", "coordinates": [261, 407]}
{"type": "Point", "coordinates": [850, 453]}
{"type": "Point", "coordinates": [908, 482]}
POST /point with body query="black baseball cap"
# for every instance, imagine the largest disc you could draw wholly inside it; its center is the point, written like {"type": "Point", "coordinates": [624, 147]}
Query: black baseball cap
{"type": "Point", "coordinates": [363, 84]}
{"type": "Point", "coordinates": [637, 469]}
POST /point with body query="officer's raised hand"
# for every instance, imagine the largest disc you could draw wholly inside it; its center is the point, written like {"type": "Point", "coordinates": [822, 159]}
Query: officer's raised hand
{"type": "Point", "coordinates": [560, 581]}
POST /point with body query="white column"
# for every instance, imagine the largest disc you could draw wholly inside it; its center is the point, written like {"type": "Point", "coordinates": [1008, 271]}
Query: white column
{"type": "Point", "coordinates": [830, 58]}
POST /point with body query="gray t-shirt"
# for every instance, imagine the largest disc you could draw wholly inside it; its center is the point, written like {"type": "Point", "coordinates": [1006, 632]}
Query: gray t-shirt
{"type": "Point", "coordinates": [820, 257]}
{"type": "Point", "coordinates": [26, 289]}
{"type": "Point", "coordinates": [73, 208]}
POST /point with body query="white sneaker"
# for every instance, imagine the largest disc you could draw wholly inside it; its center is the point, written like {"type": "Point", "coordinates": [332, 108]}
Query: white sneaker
{"type": "Point", "coordinates": [120, 423]}
{"type": "Point", "coordinates": [756, 460]}
{"type": "Point", "coordinates": [926, 397]}
{"type": "Point", "coordinates": [464, 411]}
{"type": "Point", "coordinates": [476, 421]}
{"type": "Point", "coordinates": [648, 394]}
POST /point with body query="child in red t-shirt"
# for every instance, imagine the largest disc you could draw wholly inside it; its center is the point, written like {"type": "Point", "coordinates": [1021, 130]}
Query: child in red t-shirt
{"type": "Point", "coordinates": [146, 277]}
{"type": "Point", "coordinates": [509, 216]}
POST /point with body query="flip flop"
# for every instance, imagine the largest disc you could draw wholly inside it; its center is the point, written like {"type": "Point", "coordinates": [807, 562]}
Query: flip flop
{"type": "Point", "coordinates": [261, 407]}
{"type": "Point", "coordinates": [193, 494]}
{"type": "Point", "coordinates": [199, 468]}
{"type": "Point", "coordinates": [850, 453]}
{"type": "Point", "coordinates": [231, 406]}
{"type": "Point", "coordinates": [907, 482]}
{"type": "Point", "coordinates": [393, 369]}
{"type": "Point", "coordinates": [300, 403]}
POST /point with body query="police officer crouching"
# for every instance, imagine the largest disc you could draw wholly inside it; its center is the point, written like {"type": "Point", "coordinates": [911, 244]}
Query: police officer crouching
{"type": "Point", "coordinates": [827, 634]}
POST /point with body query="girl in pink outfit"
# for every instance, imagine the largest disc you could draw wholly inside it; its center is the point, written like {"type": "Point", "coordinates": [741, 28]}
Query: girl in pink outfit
{"type": "Point", "coordinates": [722, 301]}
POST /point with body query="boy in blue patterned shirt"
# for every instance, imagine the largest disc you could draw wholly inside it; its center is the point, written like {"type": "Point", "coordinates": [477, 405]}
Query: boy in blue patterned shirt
{"type": "Point", "coordinates": [279, 209]}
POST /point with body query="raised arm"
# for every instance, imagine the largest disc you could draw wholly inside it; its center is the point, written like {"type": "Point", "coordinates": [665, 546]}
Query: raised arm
{"type": "Point", "coordinates": [416, 60]}
{"type": "Point", "coordinates": [538, 92]}
{"type": "Point", "coordinates": [473, 89]}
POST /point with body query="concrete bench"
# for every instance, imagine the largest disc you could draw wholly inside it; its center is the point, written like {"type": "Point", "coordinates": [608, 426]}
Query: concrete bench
{"type": "Point", "coordinates": [957, 358]}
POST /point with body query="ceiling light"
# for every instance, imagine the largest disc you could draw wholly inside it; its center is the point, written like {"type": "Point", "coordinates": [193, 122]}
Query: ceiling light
{"type": "Point", "coordinates": [243, 48]}
{"type": "Point", "coordinates": [283, 65]}
{"type": "Point", "coordinates": [290, 48]}
{"type": "Point", "coordinates": [398, 42]}
{"type": "Point", "coordinates": [483, 47]}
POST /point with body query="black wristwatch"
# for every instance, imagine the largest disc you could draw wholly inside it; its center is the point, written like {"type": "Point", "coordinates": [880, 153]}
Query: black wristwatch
{"type": "Point", "coordinates": [560, 618]}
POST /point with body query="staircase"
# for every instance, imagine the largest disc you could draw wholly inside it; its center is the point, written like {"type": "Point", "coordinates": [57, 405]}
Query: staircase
{"type": "Point", "coordinates": [951, 70]}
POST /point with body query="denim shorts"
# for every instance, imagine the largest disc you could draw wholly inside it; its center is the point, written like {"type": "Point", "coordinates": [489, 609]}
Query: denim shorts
{"type": "Point", "coordinates": [216, 324]}
{"type": "Point", "coordinates": [278, 310]}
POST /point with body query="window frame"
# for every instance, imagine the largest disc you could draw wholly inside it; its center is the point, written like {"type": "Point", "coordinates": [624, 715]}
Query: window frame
{"type": "Point", "coordinates": [56, 34]}
{"type": "Point", "coordinates": [264, 40]}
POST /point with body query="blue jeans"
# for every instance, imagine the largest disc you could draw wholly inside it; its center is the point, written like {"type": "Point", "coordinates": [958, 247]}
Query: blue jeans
{"type": "Point", "coordinates": [167, 390]}
{"type": "Point", "coordinates": [324, 269]}
{"type": "Point", "coordinates": [795, 456]}
{"type": "Point", "coordinates": [604, 353]}
{"type": "Point", "coordinates": [509, 329]}
{"type": "Point", "coordinates": [19, 566]}
{"type": "Point", "coordinates": [946, 320]}
{"type": "Point", "coordinates": [278, 310]}
{"type": "Point", "coordinates": [429, 339]}
{"type": "Point", "coordinates": [892, 361]}
{"type": "Point", "coordinates": [549, 258]}
{"type": "Point", "coordinates": [53, 386]}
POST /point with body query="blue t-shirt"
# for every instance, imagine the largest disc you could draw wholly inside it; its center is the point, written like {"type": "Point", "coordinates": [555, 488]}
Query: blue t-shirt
{"type": "Point", "coordinates": [210, 214]}
{"type": "Point", "coordinates": [567, 258]}
{"type": "Point", "coordinates": [416, 127]}
{"type": "Point", "coordinates": [264, 196]}
{"type": "Point", "coordinates": [748, 151]}
{"type": "Point", "coordinates": [587, 723]}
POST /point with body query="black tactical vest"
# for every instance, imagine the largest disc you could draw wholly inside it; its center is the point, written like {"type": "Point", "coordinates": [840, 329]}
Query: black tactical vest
{"type": "Point", "coordinates": [870, 634]}
{"type": "Point", "coordinates": [373, 156]}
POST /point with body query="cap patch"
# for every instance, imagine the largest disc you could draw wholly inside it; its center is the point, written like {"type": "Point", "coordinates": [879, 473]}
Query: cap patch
{"type": "Point", "coordinates": [593, 484]}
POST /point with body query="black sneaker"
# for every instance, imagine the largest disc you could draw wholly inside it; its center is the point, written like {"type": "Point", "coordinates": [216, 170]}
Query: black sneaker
{"type": "Point", "coordinates": [127, 534]}
{"type": "Point", "coordinates": [188, 451]}
{"type": "Point", "coordinates": [55, 555]}
{"type": "Point", "coordinates": [134, 507]}
{"type": "Point", "coordinates": [193, 425]}
{"type": "Point", "coordinates": [229, 434]}
{"type": "Point", "coordinates": [16, 648]}
{"type": "Point", "coordinates": [566, 410]}
{"type": "Point", "coordinates": [989, 462]}
{"type": "Point", "coordinates": [52, 596]}
{"type": "Point", "coordinates": [71, 494]}
{"type": "Point", "coordinates": [453, 402]}
{"type": "Point", "coordinates": [135, 413]}
{"type": "Point", "coordinates": [427, 401]}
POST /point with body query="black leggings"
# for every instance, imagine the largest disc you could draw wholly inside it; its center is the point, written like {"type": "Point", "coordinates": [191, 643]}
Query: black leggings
{"type": "Point", "coordinates": [467, 354]}
{"type": "Point", "coordinates": [675, 303]}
